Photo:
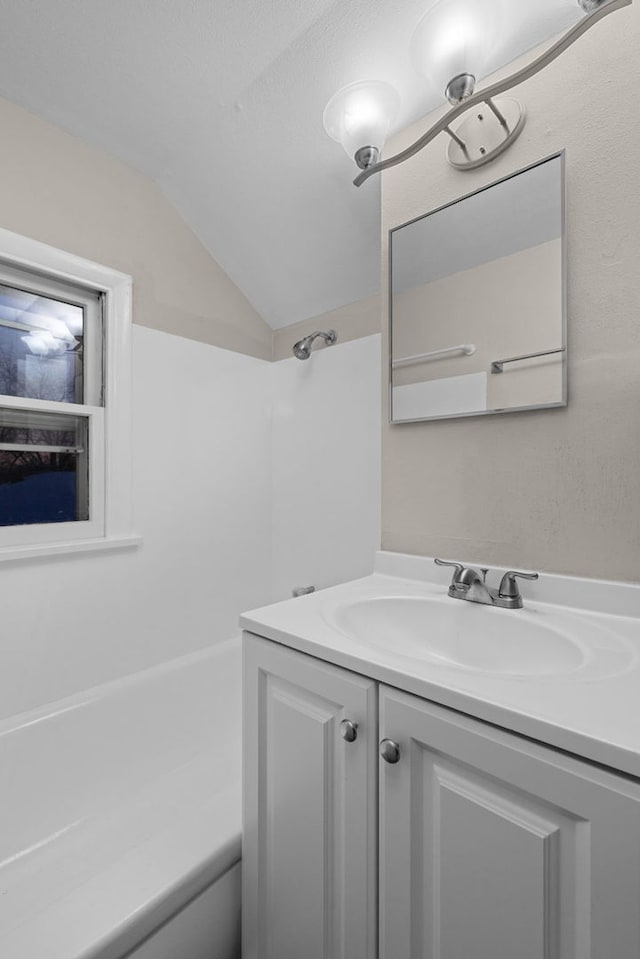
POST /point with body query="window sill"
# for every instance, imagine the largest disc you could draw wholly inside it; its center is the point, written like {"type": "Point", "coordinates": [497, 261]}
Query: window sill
{"type": "Point", "coordinates": [12, 554]}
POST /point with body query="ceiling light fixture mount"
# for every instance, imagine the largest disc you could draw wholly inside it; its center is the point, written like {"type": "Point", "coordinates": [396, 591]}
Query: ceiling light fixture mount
{"type": "Point", "coordinates": [449, 47]}
{"type": "Point", "coordinates": [485, 133]}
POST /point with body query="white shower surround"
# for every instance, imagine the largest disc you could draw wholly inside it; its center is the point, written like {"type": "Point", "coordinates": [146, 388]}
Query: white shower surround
{"type": "Point", "coordinates": [326, 466]}
{"type": "Point", "coordinates": [120, 742]}
{"type": "Point", "coordinates": [228, 452]}
{"type": "Point", "coordinates": [200, 424]}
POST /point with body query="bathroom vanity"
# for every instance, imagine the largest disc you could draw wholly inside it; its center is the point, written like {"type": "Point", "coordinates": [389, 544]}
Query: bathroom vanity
{"type": "Point", "coordinates": [430, 778]}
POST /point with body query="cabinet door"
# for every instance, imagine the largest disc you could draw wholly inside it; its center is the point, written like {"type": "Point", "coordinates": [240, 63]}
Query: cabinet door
{"type": "Point", "coordinates": [493, 847]}
{"type": "Point", "coordinates": [310, 808]}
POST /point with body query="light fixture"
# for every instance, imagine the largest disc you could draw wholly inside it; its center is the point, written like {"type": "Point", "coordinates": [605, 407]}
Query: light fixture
{"type": "Point", "coordinates": [452, 43]}
{"type": "Point", "coordinates": [48, 336]}
{"type": "Point", "coordinates": [359, 117]}
{"type": "Point", "coordinates": [451, 48]}
{"type": "Point", "coordinates": [42, 343]}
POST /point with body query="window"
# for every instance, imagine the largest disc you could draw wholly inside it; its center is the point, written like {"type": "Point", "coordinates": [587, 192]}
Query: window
{"type": "Point", "coordinates": [64, 398]}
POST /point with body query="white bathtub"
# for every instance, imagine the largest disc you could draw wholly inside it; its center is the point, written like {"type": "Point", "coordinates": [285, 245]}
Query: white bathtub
{"type": "Point", "coordinates": [120, 806]}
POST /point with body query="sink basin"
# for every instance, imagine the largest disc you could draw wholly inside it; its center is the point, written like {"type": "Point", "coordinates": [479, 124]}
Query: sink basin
{"type": "Point", "coordinates": [459, 635]}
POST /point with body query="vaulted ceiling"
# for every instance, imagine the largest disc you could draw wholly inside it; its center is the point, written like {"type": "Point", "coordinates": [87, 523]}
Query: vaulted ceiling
{"type": "Point", "coordinates": [220, 102]}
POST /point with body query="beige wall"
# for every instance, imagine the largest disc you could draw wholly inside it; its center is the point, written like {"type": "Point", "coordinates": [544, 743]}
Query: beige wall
{"type": "Point", "coordinates": [57, 189]}
{"type": "Point", "coordinates": [350, 322]}
{"type": "Point", "coordinates": [556, 490]}
{"type": "Point", "coordinates": [506, 307]}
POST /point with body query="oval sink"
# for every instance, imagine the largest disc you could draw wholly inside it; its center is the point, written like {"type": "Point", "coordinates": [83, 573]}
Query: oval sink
{"type": "Point", "coordinates": [468, 636]}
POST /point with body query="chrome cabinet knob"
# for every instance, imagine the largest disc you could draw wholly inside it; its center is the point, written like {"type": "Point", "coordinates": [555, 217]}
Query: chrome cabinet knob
{"type": "Point", "coordinates": [349, 730]}
{"type": "Point", "coordinates": [389, 751]}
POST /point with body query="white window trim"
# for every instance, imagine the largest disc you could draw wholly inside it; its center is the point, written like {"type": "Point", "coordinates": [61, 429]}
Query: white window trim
{"type": "Point", "coordinates": [113, 487]}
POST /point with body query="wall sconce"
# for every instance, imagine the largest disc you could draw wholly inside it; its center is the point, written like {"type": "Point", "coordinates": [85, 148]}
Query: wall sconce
{"type": "Point", "coordinates": [450, 47]}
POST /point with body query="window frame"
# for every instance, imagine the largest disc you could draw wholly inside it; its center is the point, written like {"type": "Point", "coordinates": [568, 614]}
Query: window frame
{"type": "Point", "coordinates": [110, 441]}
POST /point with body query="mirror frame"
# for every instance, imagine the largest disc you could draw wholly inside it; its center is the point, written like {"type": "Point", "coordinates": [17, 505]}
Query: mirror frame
{"type": "Point", "coordinates": [559, 155]}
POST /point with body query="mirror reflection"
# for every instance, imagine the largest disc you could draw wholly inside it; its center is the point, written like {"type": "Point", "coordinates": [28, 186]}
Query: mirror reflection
{"type": "Point", "coordinates": [477, 302]}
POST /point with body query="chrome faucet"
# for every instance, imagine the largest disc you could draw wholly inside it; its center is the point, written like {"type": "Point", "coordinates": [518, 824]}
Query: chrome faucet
{"type": "Point", "coordinates": [471, 584]}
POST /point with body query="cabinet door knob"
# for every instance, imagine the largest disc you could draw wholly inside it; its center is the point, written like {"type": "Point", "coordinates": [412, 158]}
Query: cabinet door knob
{"type": "Point", "coordinates": [389, 751]}
{"type": "Point", "coordinates": [349, 730]}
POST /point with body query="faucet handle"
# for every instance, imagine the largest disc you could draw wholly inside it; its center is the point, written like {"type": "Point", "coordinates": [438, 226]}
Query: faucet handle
{"type": "Point", "coordinates": [445, 562]}
{"type": "Point", "coordinates": [455, 579]}
{"type": "Point", "coordinates": [508, 585]}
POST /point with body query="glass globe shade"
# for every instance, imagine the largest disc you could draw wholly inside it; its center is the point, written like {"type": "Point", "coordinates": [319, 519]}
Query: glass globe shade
{"type": "Point", "coordinates": [360, 115]}
{"type": "Point", "coordinates": [455, 38]}
{"type": "Point", "coordinates": [590, 5]}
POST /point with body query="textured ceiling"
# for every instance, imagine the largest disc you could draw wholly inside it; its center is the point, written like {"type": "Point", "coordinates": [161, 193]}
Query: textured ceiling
{"type": "Point", "coordinates": [220, 102]}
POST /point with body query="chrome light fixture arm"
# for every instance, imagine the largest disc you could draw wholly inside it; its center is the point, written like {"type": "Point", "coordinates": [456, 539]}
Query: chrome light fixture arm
{"type": "Point", "coordinates": [495, 89]}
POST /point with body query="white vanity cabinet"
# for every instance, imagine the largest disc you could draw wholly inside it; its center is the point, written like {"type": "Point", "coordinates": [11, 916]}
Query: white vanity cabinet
{"type": "Point", "coordinates": [309, 857]}
{"type": "Point", "coordinates": [489, 846]}
{"type": "Point", "coordinates": [494, 847]}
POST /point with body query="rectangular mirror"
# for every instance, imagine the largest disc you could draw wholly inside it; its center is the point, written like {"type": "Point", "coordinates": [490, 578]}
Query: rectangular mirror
{"type": "Point", "coordinates": [477, 302]}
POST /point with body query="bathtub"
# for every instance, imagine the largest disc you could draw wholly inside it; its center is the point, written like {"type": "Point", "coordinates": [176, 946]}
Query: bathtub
{"type": "Point", "coordinates": [121, 818]}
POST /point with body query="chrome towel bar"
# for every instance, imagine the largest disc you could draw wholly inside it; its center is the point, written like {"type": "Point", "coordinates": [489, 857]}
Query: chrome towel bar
{"type": "Point", "coordinates": [497, 365]}
{"type": "Point", "coordinates": [466, 348]}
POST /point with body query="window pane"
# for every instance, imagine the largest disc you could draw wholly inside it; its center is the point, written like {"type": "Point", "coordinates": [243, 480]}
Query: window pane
{"type": "Point", "coordinates": [43, 468]}
{"type": "Point", "coordinates": [41, 347]}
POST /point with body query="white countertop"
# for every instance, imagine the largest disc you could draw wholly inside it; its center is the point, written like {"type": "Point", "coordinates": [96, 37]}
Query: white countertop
{"type": "Point", "coordinates": [593, 716]}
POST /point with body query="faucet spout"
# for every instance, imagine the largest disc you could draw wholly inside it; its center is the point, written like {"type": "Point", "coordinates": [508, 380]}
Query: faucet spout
{"type": "Point", "coordinates": [477, 592]}
{"type": "Point", "coordinates": [474, 588]}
